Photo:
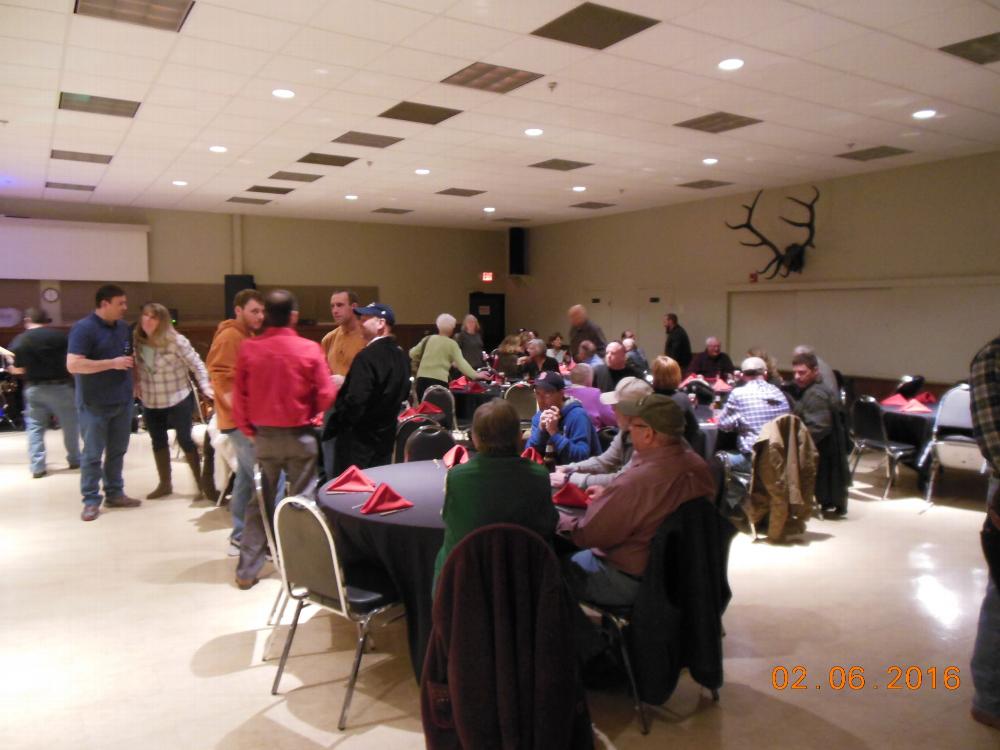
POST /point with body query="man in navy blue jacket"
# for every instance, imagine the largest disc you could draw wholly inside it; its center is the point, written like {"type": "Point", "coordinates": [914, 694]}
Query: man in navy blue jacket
{"type": "Point", "coordinates": [561, 421]}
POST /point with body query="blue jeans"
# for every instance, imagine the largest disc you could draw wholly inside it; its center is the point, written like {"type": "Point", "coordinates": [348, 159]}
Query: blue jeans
{"type": "Point", "coordinates": [736, 490]}
{"type": "Point", "coordinates": [41, 402]}
{"type": "Point", "coordinates": [242, 481]}
{"type": "Point", "coordinates": [106, 430]}
{"type": "Point", "coordinates": [594, 580]}
{"type": "Point", "coordinates": [986, 652]}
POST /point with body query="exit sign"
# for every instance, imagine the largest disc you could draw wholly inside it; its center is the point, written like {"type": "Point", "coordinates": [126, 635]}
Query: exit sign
{"type": "Point", "coordinates": [487, 276]}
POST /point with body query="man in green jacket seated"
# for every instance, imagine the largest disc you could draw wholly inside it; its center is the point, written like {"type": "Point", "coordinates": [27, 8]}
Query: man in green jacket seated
{"type": "Point", "coordinates": [496, 485]}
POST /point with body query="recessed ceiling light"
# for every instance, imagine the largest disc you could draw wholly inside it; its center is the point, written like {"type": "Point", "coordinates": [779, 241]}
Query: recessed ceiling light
{"type": "Point", "coordinates": [489, 209]}
{"type": "Point", "coordinates": [710, 161]}
{"type": "Point", "coordinates": [579, 188]}
{"type": "Point", "coordinates": [421, 171]}
{"type": "Point", "coordinates": [218, 149]}
{"type": "Point", "coordinates": [179, 183]}
{"type": "Point", "coordinates": [350, 197]}
{"type": "Point", "coordinates": [732, 63]}
{"type": "Point", "coordinates": [283, 93]}
{"type": "Point", "coordinates": [534, 132]}
{"type": "Point", "coordinates": [924, 114]}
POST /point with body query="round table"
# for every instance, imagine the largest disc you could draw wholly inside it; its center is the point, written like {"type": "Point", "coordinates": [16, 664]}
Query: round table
{"type": "Point", "coordinates": [912, 428]}
{"type": "Point", "coordinates": [404, 544]}
{"type": "Point", "coordinates": [467, 401]}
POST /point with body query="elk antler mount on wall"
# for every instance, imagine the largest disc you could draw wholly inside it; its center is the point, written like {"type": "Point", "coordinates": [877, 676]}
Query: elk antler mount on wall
{"type": "Point", "coordinates": [793, 257]}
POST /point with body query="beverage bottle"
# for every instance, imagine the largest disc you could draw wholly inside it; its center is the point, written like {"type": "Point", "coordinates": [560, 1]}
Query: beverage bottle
{"type": "Point", "coordinates": [549, 459]}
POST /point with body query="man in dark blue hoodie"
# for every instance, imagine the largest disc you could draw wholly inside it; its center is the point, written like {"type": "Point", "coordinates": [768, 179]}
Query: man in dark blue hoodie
{"type": "Point", "coordinates": [561, 421]}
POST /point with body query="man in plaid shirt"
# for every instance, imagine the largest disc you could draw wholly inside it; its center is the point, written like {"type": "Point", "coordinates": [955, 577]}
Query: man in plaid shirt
{"type": "Point", "coordinates": [984, 380]}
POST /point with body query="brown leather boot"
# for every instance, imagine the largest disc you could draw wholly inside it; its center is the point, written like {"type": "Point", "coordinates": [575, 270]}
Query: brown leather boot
{"type": "Point", "coordinates": [195, 463]}
{"type": "Point", "coordinates": [164, 488]}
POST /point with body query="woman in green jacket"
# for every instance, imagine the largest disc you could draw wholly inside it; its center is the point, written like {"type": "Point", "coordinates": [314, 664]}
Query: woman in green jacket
{"type": "Point", "coordinates": [437, 354]}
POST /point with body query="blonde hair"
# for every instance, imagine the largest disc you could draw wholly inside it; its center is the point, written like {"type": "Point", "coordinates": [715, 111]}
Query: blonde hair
{"type": "Point", "coordinates": [666, 373]}
{"type": "Point", "coordinates": [474, 319]}
{"type": "Point", "coordinates": [164, 332]}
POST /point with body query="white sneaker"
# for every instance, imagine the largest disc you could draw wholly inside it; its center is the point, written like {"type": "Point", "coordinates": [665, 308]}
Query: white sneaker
{"type": "Point", "coordinates": [234, 549]}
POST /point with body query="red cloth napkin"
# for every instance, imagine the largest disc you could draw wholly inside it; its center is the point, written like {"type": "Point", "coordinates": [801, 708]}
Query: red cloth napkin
{"type": "Point", "coordinates": [456, 455]}
{"type": "Point", "coordinates": [687, 380]}
{"type": "Point", "coordinates": [915, 407]}
{"type": "Point", "coordinates": [721, 386]}
{"type": "Point", "coordinates": [532, 455]}
{"type": "Point", "coordinates": [384, 499]}
{"type": "Point", "coordinates": [426, 407]}
{"type": "Point", "coordinates": [475, 387]}
{"type": "Point", "coordinates": [894, 400]}
{"type": "Point", "coordinates": [410, 412]}
{"type": "Point", "coordinates": [571, 496]}
{"type": "Point", "coordinates": [925, 397]}
{"type": "Point", "coordinates": [459, 383]}
{"type": "Point", "coordinates": [352, 480]}
{"type": "Point", "coordinates": [563, 370]}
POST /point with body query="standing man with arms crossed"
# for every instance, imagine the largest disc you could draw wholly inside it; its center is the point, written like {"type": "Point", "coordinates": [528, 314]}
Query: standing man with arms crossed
{"type": "Point", "coordinates": [248, 307]}
{"type": "Point", "coordinates": [282, 383]}
{"type": "Point", "coordinates": [99, 354]}
{"type": "Point", "coordinates": [40, 357]}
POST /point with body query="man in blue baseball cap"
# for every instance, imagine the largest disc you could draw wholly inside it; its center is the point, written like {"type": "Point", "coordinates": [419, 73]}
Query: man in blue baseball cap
{"type": "Point", "coordinates": [561, 421]}
{"type": "Point", "coordinates": [363, 419]}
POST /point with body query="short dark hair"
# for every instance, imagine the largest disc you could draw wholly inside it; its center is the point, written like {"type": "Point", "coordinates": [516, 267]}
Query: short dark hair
{"type": "Point", "coordinates": [672, 317]}
{"type": "Point", "coordinates": [278, 308]}
{"type": "Point", "coordinates": [806, 358]}
{"type": "Point", "coordinates": [108, 292]}
{"type": "Point", "coordinates": [246, 295]}
{"type": "Point", "coordinates": [497, 428]}
{"type": "Point", "coordinates": [352, 297]}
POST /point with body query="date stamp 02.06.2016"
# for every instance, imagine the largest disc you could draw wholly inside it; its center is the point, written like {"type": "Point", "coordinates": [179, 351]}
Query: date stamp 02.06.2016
{"type": "Point", "coordinates": [854, 678]}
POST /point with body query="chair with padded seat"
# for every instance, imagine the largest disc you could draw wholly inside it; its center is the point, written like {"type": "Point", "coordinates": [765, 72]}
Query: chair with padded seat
{"type": "Point", "coordinates": [522, 398]}
{"type": "Point", "coordinates": [868, 424]}
{"type": "Point", "coordinates": [443, 399]}
{"type": "Point", "coordinates": [427, 443]}
{"type": "Point", "coordinates": [405, 429]}
{"type": "Point", "coordinates": [952, 445]}
{"type": "Point", "coordinates": [312, 575]}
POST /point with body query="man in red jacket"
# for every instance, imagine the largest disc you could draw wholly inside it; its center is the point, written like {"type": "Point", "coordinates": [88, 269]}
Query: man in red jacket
{"type": "Point", "coordinates": [282, 384]}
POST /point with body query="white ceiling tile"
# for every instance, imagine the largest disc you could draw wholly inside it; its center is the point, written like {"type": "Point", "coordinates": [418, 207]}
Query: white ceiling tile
{"type": "Point", "coordinates": [80, 173]}
{"type": "Point", "coordinates": [332, 48]}
{"type": "Point", "coordinates": [239, 29]}
{"type": "Point", "coordinates": [111, 65]}
{"type": "Point", "coordinates": [29, 77]}
{"type": "Point", "coordinates": [86, 140]}
{"type": "Point", "coordinates": [186, 98]}
{"type": "Point", "coordinates": [38, 25]}
{"type": "Point", "coordinates": [200, 79]}
{"type": "Point", "coordinates": [976, 87]}
{"type": "Point", "coordinates": [241, 124]}
{"type": "Point", "coordinates": [372, 20]}
{"type": "Point", "coordinates": [66, 196]}
{"type": "Point", "coordinates": [296, 11]}
{"type": "Point", "coordinates": [72, 119]}
{"type": "Point", "coordinates": [956, 24]}
{"type": "Point", "coordinates": [262, 89]}
{"type": "Point", "coordinates": [455, 97]}
{"type": "Point", "coordinates": [666, 44]}
{"type": "Point", "coordinates": [793, 138]}
{"type": "Point", "coordinates": [806, 33]}
{"type": "Point", "coordinates": [459, 38]}
{"type": "Point", "coordinates": [122, 38]}
{"type": "Point", "coordinates": [514, 15]}
{"type": "Point", "coordinates": [203, 53]}
{"type": "Point", "coordinates": [393, 87]}
{"type": "Point", "coordinates": [173, 115]}
{"type": "Point", "coordinates": [738, 19]}
{"type": "Point", "coordinates": [309, 72]}
{"type": "Point", "coordinates": [537, 55]}
{"type": "Point", "coordinates": [30, 53]}
{"type": "Point", "coordinates": [416, 64]}
{"type": "Point", "coordinates": [667, 84]}
{"type": "Point", "coordinates": [165, 129]}
{"type": "Point", "coordinates": [607, 70]}
{"type": "Point", "coordinates": [25, 97]}
{"type": "Point", "coordinates": [886, 13]}
{"type": "Point", "coordinates": [93, 85]}
{"type": "Point", "coordinates": [787, 77]}
{"type": "Point", "coordinates": [275, 112]}
{"type": "Point", "coordinates": [706, 63]}
{"type": "Point", "coordinates": [357, 104]}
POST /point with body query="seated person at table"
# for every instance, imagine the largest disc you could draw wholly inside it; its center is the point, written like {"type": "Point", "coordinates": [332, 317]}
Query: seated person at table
{"type": "Point", "coordinates": [496, 485]}
{"type": "Point", "coordinates": [561, 421]}
{"type": "Point", "coordinates": [507, 355]}
{"type": "Point", "coordinates": [556, 348]}
{"type": "Point", "coordinates": [600, 470]}
{"type": "Point", "coordinates": [666, 378]}
{"type": "Point", "coordinates": [635, 356]}
{"type": "Point", "coordinates": [746, 411]}
{"type": "Point", "coordinates": [586, 354]}
{"type": "Point", "coordinates": [825, 371]}
{"type": "Point", "coordinates": [616, 366]}
{"type": "Point", "coordinates": [536, 361]}
{"type": "Point", "coordinates": [581, 388]}
{"type": "Point", "coordinates": [773, 375]}
{"type": "Point", "coordinates": [711, 363]}
{"type": "Point", "coordinates": [819, 407]}
{"type": "Point", "coordinates": [616, 531]}
{"type": "Point", "coordinates": [437, 354]}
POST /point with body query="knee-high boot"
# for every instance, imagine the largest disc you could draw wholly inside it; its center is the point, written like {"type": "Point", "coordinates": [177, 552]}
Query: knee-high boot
{"type": "Point", "coordinates": [195, 463]}
{"type": "Point", "coordinates": [164, 488]}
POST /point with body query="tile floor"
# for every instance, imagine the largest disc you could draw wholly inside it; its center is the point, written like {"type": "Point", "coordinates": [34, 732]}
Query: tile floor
{"type": "Point", "coordinates": [128, 633]}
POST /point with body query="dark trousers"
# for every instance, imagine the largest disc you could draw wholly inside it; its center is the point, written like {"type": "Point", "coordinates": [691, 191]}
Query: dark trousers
{"type": "Point", "coordinates": [176, 417]}
{"type": "Point", "coordinates": [291, 450]}
{"type": "Point", "coordinates": [423, 384]}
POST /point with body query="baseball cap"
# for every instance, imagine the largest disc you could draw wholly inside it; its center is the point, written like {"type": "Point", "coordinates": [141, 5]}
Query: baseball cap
{"type": "Point", "coordinates": [378, 310]}
{"type": "Point", "coordinates": [753, 363]}
{"type": "Point", "coordinates": [628, 389]}
{"type": "Point", "coordinates": [552, 381]}
{"type": "Point", "coordinates": [659, 412]}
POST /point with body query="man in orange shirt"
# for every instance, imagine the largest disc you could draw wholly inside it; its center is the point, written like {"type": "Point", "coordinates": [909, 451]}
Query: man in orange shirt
{"type": "Point", "coordinates": [248, 306]}
{"type": "Point", "coordinates": [340, 346]}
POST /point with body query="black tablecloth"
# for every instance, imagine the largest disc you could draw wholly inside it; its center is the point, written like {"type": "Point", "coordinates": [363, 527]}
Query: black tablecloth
{"type": "Point", "coordinates": [466, 402]}
{"type": "Point", "coordinates": [913, 429]}
{"type": "Point", "coordinates": [405, 544]}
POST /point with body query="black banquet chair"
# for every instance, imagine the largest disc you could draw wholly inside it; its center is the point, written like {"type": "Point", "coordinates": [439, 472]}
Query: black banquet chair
{"type": "Point", "coordinates": [428, 442]}
{"type": "Point", "coordinates": [952, 445]}
{"type": "Point", "coordinates": [404, 430]}
{"type": "Point", "coordinates": [443, 399]}
{"type": "Point", "coordinates": [870, 434]}
{"type": "Point", "coordinates": [312, 575]}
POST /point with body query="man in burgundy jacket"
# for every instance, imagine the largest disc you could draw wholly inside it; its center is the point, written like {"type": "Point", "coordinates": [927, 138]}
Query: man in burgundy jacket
{"type": "Point", "coordinates": [282, 384]}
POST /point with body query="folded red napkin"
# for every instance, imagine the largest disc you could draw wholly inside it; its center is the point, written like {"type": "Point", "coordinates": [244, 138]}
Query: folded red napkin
{"type": "Point", "coordinates": [915, 407]}
{"type": "Point", "coordinates": [894, 400]}
{"type": "Point", "coordinates": [687, 380]}
{"type": "Point", "coordinates": [426, 407]}
{"type": "Point", "coordinates": [352, 480]}
{"type": "Point", "coordinates": [456, 455]}
{"type": "Point", "coordinates": [384, 499]}
{"type": "Point", "coordinates": [532, 455]}
{"type": "Point", "coordinates": [571, 496]}
{"type": "Point", "coordinates": [925, 397]}
{"type": "Point", "coordinates": [721, 386]}
{"type": "Point", "coordinates": [563, 370]}
{"type": "Point", "coordinates": [475, 387]}
{"type": "Point", "coordinates": [459, 382]}
{"type": "Point", "coordinates": [410, 412]}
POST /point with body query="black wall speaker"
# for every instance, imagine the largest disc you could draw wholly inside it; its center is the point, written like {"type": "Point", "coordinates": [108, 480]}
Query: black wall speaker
{"type": "Point", "coordinates": [517, 251]}
{"type": "Point", "coordinates": [236, 282]}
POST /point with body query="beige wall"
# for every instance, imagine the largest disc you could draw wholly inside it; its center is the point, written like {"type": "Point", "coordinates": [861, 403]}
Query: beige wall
{"type": "Point", "coordinates": [903, 228]}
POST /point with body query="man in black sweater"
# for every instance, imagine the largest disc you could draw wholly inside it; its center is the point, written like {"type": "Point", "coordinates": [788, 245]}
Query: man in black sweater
{"type": "Point", "coordinates": [363, 419]}
{"type": "Point", "coordinates": [678, 346]}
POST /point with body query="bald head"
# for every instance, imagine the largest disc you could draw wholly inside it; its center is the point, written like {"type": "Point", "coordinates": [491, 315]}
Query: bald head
{"type": "Point", "coordinates": [280, 308]}
{"type": "Point", "coordinates": [712, 346]}
{"type": "Point", "coordinates": [577, 315]}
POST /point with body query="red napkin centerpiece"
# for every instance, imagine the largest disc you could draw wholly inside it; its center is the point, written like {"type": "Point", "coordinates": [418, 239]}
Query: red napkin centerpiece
{"type": "Point", "coordinates": [894, 400]}
{"type": "Point", "coordinates": [456, 455]}
{"type": "Point", "coordinates": [426, 407]}
{"type": "Point", "coordinates": [352, 480]}
{"type": "Point", "coordinates": [721, 386]}
{"type": "Point", "coordinates": [384, 499]}
{"type": "Point", "coordinates": [532, 455]}
{"type": "Point", "coordinates": [915, 407]}
{"type": "Point", "coordinates": [925, 397]}
{"type": "Point", "coordinates": [687, 380]}
{"type": "Point", "coordinates": [459, 383]}
{"type": "Point", "coordinates": [571, 496]}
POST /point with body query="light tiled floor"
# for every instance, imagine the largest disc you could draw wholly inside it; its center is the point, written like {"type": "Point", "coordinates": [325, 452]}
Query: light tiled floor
{"type": "Point", "coordinates": [128, 633]}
